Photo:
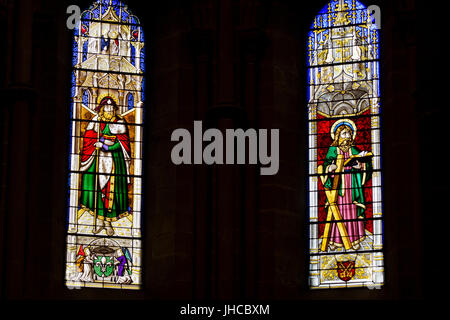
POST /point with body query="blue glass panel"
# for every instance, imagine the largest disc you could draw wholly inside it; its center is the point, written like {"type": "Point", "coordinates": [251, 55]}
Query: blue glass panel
{"type": "Point", "coordinates": [85, 97]}
{"type": "Point", "coordinates": [95, 4]}
{"type": "Point", "coordinates": [325, 8]}
{"type": "Point", "coordinates": [105, 6]}
{"type": "Point", "coordinates": [116, 9]}
{"type": "Point", "coordinates": [125, 15]}
{"type": "Point", "coordinates": [86, 17]}
{"type": "Point", "coordinates": [73, 85]}
{"type": "Point", "coordinates": [104, 43]}
{"type": "Point", "coordinates": [359, 6]}
{"type": "Point", "coordinates": [142, 62]}
{"type": "Point", "coordinates": [142, 34]}
{"type": "Point", "coordinates": [85, 50]}
{"type": "Point", "coordinates": [377, 66]}
{"type": "Point", "coordinates": [130, 101]}
{"type": "Point", "coordinates": [349, 4]}
{"type": "Point", "coordinates": [74, 53]}
{"type": "Point", "coordinates": [363, 16]}
{"type": "Point", "coordinates": [325, 23]}
{"type": "Point", "coordinates": [96, 13]}
{"type": "Point", "coordinates": [133, 56]}
{"type": "Point", "coordinates": [76, 30]}
{"type": "Point", "coordinates": [143, 90]}
{"type": "Point", "coordinates": [358, 17]}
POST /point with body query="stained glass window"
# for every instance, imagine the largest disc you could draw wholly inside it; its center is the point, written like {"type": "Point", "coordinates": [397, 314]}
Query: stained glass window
{"type": "Point", "coordinates": [105, 184]}
{"type": "Point", "coordinates": [345, 205]}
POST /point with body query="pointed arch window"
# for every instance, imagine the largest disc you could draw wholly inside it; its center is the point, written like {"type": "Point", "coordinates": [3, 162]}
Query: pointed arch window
{"type": "Point", "coordinates": [345, 205]}
{"type": "Point", "coordinates": [105, 183]}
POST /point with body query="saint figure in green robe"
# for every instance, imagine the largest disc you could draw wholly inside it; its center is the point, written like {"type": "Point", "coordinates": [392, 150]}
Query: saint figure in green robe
{"type": "Point", "coordinates": [105, 163]}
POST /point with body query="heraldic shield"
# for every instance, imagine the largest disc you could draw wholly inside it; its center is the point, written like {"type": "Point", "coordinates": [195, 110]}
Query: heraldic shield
{"type": "Point", "coordinates": [345, 270]}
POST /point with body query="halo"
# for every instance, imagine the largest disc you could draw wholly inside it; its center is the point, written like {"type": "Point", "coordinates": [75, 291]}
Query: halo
{"type": "Point", "coordinates": [341, 122]}
{"type": "Point", "coordinates": [104, 95]}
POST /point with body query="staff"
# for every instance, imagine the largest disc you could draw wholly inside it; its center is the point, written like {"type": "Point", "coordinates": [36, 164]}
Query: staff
{"type": "Point", "coordinates": [96, 179]}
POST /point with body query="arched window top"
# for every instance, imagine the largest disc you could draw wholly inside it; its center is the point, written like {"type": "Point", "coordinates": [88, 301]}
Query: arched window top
{"type": "Point", "coordinates": [342, 24]}
{"type": "Point", "coordinates": [343, 53]}
{"type": "Point", "coordinates": [108, 27]}
{"type": "Point", "coordinates": [335, 12]}
{"type": "Point", "coordinates": [112, 10]}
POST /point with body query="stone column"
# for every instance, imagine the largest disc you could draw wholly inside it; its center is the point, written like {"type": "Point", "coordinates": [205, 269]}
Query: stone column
{"type": "Point", "coordinates": [202, 41]}
{"type": "Point", "coordinates": [223, 199]}
{"type": "Point", "coordinates": [18, 97]}
{"type": "Point", "coordinates": [251, 46]}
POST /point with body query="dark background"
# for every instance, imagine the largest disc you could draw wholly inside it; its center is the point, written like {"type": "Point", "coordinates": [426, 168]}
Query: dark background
{"type": "Point", "coordinates": [214, 233]}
